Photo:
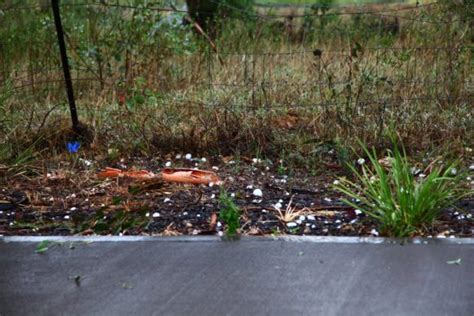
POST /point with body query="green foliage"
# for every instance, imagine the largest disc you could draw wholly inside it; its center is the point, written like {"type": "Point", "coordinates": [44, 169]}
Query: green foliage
{"type": "Point", "coordinates": [400, 202]}
{"type": "Point", "coordinates": [43, 246]}
{"type": "Point", "coordinates": [230, 213]}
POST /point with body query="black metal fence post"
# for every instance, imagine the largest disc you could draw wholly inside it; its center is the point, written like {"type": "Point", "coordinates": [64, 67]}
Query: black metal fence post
{"type": "Point", "coordinates": [64, 60]}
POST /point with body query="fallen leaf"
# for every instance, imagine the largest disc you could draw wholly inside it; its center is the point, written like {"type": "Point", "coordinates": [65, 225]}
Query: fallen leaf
{"type": "Point", "coordinates": [133, 174]}
{"type": "Point", "coordinates": [43, 246]}
{"type": "Point", "coordinates": [213, 222]}
{"type": "Point", "coordinates": [77, 279]}
{"type": "Point", "coordinates": [190, 176]}
{"type": "Point", "coordinates": [457, 261]}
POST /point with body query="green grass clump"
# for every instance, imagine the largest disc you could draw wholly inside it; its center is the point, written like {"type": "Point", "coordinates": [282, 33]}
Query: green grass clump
{"type": "Point", "coordinates": [230, 213]}
{"type": "Point", "coordinates": [401, 203]}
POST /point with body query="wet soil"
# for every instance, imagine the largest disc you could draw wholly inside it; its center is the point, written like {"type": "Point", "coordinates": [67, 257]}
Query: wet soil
{"type": "Point", "coordinates": [66, 198]}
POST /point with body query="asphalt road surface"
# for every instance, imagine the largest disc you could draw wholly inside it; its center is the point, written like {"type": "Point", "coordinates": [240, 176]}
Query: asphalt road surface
{"type": "Point", "coordinates": [248, 277]}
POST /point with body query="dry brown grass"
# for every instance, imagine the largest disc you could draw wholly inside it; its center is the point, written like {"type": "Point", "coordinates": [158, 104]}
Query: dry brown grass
{"type": "Point", "coordinates": [334, 87]}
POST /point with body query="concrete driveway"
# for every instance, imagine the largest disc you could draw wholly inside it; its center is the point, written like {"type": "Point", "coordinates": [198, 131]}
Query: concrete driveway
{"type": "Point", "coordinates": [254, 276]}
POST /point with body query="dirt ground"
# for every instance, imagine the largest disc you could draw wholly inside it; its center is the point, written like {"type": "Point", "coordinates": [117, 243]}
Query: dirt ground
{"type": "Point", "coordinates": [67, 198]}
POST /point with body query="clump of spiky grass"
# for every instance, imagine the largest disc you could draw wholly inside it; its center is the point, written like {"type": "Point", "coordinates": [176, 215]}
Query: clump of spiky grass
{"type": "Point", "coordinates": [402, 204]}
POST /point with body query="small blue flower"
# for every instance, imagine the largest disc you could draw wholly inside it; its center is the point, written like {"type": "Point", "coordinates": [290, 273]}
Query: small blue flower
{"type": "Point", "coordinates": [73, 147]}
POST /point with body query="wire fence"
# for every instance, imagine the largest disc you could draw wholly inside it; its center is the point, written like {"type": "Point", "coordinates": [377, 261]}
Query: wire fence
{"type": "Point", "coordinates": [328, 72]}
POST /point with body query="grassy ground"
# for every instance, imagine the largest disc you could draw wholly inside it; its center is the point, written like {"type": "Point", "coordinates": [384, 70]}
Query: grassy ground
{"type": "Point", "coordinates": [276, 102]}
{"type": "Point", "coordinates": [293, 88]}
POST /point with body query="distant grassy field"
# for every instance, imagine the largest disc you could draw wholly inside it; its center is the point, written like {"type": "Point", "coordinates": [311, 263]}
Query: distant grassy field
{"type": "Point", "coordinates": [336, 2]}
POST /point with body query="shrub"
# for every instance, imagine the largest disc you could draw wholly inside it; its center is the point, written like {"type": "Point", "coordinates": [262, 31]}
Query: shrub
{"type": "Point", "coordinates": [401, 203]}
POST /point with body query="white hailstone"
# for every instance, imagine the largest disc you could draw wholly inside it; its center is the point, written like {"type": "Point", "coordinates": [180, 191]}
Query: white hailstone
{"type": "Point", "coordinates": [220, 233]}
{"type": "Point", "coordinates": [302, 218]}
{"type": "Point", "coordinates": [468, 178]}
{"type": "Point", "coordinates": [147, 214]}
{"type": "Point", "coordinates": [178, 156]}
{"type": "Point", "coordinates": [185, 214]}
{"type": "Point", "coordinates": [168, 164]}
{"type": "Point", "coordinates": [469, 215]}
{"type": "Point", "coordinates": [361, 161]}
{"type": "Point", "coordinates": [249, 187]}
{"type": "Point", "coordinates": [49, 175]}
{"type": "Point", "coordinates": [51, 199]}
{"type": "Point", "coordinates": [256, 160]}
{"type": "Point", "coordinates": [73, 195]}
{"type": "Point", "coordinates": [156, 214]}
{"type": "Point", "coordinates": [374, 232]}
{"type": "Point", "coordinates": [326, 222]}
{"type": "Point", "coordinates": [327, 199]}
{"type": "Point", "coordinates": [188, 156]}
{"type": "Point", "coordinates": [86, 162]}
{"type": "Point", "coordinates": [232, 194]}
{"type": "Point", "coordinates": [291, 224]}
{"type": "Point", "coordinates": [299, 222]}
{"type": "Point", "coordinates": [311, 218]}
{"type": "Point", "coordinates": [203, 159]}
{"type": "Point", "coordinates": [198, 215]}
{"type": "Point", "coordinates": [213, 196]}
{"type": "Point", "coordinates": [415, 171]}
{"type": "Point", "coordinates": [456, 213]}
{"type": "Point", "coordinates": [287, 193]}
{"type": "Point", "coordinates": [336, 182]}
{"type": "Point", "coordinates": [267, 168]}
{"type": "Point", "coordinates": [313, 226]}
{"type": "Point", "coordinates": [280, 201]}
{"type": "Point", "coordinates": [66, 217]}
{"type": "Point", "coordinates": [338, 221]}
{"type": "Point", "coordinates": [452, 236]}
{"type": "Point", "coordinates": [86, 200]}
{"type": "Point", "coordinates": [422, 175]}
{"type": "Point", "coordinates": [325, 230]}
{"type": "Point", "coordinates": [257, 192]}
{"type": "Point", "coordinates": [278, 205]}
{"type": "Point", "coordinates": [11, 224]}
{"type": "Point", "coordinates": [1, 212]}
{"type": "Point", "coordinates": [471, 167]}
{"type": "Point", "coordinates": [195, 232]}
{"type": "Point", "coordinates": [215, 168]}
{"type": "Point", "coordinates": [440, 236]}
{"type": "Point", "coordinates": [73, 208]}
{"type": "Point", "coordinates": [219, 224]}
{"type": "Point", "coordinates": [454, 171]}
{"type": "Point", "coordinates": [166, 200]}
{"type": "Point", "coordinates": [468, 149]}
{"type": "Point", "coordinates": [353, 221]}
{"type": "Point", "coordinates": [357, 212]}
